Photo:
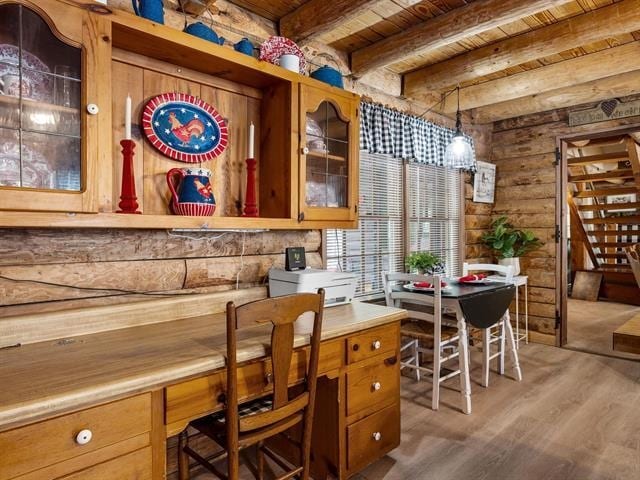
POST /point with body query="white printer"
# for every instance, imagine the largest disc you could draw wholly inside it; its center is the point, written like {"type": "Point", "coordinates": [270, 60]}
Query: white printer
{"type": "Point", "coordinates": [340, 287]}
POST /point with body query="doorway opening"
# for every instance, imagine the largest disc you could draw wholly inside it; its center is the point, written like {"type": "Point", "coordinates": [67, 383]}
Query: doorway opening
{"type": "Point", "coordinates": [599, 218]}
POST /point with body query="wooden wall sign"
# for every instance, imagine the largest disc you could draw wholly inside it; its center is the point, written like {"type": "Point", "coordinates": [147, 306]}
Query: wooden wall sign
{"type": "Point", "coordinates": [606, 110]}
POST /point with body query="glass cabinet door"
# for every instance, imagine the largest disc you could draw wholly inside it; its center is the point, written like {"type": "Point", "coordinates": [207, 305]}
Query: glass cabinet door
{"type": "Point", "coordinates": [40, 96]}
{"type": "Point", "coordinates": [327, 158]}
{"type": "Point", "coordinates": [327, 162]}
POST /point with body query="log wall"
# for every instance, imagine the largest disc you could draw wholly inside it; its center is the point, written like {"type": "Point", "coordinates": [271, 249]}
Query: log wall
{"type": "Point", "coordinates": [523, 150]}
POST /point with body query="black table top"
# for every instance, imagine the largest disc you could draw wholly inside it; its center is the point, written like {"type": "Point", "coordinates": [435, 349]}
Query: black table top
{"type": "Point", "coordinates": [458, 291]}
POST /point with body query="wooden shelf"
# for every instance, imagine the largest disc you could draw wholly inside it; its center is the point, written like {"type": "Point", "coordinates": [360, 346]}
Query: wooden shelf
{"type": "Point", "coordinates": [162, 222]}
{"type": "Point", "coordinates": [324, 155]}
{"type": "Point", "coordinates": [33, 104]}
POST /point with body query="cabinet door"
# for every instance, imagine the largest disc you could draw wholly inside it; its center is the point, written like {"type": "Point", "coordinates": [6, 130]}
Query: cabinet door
{"type": "Point", "coordinates": [52, 57]}
{"type": "Point", "coordinates": [329, 155]}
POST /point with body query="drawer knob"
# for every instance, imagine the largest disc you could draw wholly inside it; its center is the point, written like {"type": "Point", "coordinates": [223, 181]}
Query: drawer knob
{"type": "Point", "coordinates": [376, 386]}
{"type": "Point", "coordinates": [377, 436]}
{"type": "Point", "coordinates": [355, 347]}
{"type": "Point", "coordinates": [376, 345]}
{"type": "Point", "coordinates": [84, 436]}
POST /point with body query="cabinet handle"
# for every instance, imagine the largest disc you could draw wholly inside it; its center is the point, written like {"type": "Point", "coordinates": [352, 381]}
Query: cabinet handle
{"type": "Point", "coordinates": [377, 436]}
{"type": "Point", "coordinates": [355, 347]}
{"type": "Point", "coordinates": [84, 436]}
{"type": "Point", "coordinates": [391, 361]}
{"type": "Point", "coordinates": [376, 386]}
{"type": "Point", "coordinates": [376, 345]}
{"type": "Point", "coordinates": [92, 109]}
{"type": "Point", "coordinates": [305, 150]}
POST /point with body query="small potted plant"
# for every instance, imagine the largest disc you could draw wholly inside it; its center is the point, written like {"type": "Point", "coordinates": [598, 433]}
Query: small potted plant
{"type": "Point", "coordinates": [424, 263]}
{"type": "Point", "coordinates": [509, 244]}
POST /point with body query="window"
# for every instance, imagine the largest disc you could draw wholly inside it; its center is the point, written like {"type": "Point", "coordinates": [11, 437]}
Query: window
{"type": "Point", "coordinates": [433, 206]}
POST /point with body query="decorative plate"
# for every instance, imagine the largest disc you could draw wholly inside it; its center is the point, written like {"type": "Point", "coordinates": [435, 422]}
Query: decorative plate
{"type": "Point", "coordinates": [412, 287]}
{"type": "Point", "coordinates": [34, 72]}
{"type": "Point", "coordinates": [273, 48]}
{"type": "Point", "coordinates": [184, 127]}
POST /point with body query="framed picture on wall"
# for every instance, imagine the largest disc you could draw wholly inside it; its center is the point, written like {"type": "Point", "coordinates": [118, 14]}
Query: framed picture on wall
{"type": "Point", "coordinates": [484, 183]}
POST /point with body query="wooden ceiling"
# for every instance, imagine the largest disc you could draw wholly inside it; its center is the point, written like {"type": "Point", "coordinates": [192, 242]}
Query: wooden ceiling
{"type": "Point", "coordinates": [507, 55]}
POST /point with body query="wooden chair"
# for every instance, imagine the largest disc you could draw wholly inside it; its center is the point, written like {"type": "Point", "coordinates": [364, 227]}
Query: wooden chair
{"type": "Point", "coordinates": [241, 426]}
{"type": "Point", "coordinates": [495, 334]}
{"type": "Point", "coordinates": [425, 332]}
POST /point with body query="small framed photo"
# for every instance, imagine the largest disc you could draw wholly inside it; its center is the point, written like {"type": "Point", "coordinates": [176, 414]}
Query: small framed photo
{"type": "Point", "coordinates": [484, 183]}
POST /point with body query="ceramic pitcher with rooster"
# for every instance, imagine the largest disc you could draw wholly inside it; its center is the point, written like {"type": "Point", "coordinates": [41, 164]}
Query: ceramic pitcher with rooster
{"type": "Point", "coordinates": [191, 192]}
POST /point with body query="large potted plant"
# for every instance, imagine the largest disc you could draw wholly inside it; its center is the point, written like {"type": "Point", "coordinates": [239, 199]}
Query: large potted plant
{"type": "Point", "coordinates": [508, 243]}
{"type": "Point", "coordinates": [424, 263]}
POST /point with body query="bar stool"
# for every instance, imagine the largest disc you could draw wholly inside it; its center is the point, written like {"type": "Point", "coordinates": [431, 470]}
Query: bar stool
{"type": "Point", "coordinates": [495, 334]}
{"type": "Point", "coordinates": [239, 426]}
{"type": "Point", "coordinates": [426, 327]}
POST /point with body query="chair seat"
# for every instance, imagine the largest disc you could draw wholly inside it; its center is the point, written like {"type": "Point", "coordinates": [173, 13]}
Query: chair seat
{"type": "Point", "coordinates": [253, 407]}
{"type": "Point", "coordinates": [423, 331]}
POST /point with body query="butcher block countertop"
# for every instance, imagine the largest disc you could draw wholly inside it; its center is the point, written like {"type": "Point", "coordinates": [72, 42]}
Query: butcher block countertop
{"type": "Point", "coordinates": [44, 379]}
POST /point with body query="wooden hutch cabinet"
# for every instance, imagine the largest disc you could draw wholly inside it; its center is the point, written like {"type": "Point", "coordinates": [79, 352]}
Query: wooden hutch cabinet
{"type": "Point", "coordinates": [329, 155]}
{"type": "Point", "coordinates": [54, 118]}
{"type": "Point", "coordinates": [67, 69]}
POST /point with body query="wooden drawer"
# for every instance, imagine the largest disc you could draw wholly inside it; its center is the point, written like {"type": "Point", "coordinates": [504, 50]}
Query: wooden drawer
{"type": "Point", "coordinates": [370, 343]}
{"type": "Point", "coordinates": [134, 466]}
{"type": "Point", "coordinates": [46, 443]}
{"type": "Point", "coordinates": [373, 384]}
{"type": "Point", "coordinates": [372, 437]}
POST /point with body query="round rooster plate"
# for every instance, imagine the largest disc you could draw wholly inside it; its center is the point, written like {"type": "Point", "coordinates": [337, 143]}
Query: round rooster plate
{"type": "Point", "coordinates": [184, 127]}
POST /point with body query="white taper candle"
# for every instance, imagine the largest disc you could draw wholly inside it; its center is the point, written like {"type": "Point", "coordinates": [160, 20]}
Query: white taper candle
{"type": "Point", "coordinates": [127, 119]}
{"type": "Point", "coordinates": [251, 140]}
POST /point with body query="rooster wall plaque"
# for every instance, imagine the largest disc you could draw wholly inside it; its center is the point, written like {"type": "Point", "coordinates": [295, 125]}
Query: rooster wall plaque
{"type": "Point", "coordinates": [184, 127]}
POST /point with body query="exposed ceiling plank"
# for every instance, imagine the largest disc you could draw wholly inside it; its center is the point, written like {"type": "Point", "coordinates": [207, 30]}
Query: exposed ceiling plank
{"type": "Point", "coordinates": [316, 17]}
{"type": "Point", "coordinates": [594, 66]}
{"type": "Point", "coordinates": [453, 26]}
{"type": "Point", "coordinates": [600, 24]}
{"type": "Point", "coordinates": [384, 10]}
{"type": "Point", "coordinates": [611, 87]}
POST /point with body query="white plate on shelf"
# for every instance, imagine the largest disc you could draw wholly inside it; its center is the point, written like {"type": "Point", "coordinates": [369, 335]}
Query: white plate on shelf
{"type": "Point", "coordinates": [34, 72]}
{"type": "Point", "coordinates": [412, 287]}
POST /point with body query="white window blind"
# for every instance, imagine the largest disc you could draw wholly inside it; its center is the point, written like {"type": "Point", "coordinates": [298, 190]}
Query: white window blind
{"type": "Point", "coordinates": [383, 239]}
{"type": "Point", "coordinates": [377, 245]}
{"type": "Point", "coordinates": [434, 198]}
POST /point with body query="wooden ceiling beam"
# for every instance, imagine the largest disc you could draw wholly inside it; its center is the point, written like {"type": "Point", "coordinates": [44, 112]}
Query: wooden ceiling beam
{"type": "Point", "coordinates": [574, 32]}
{"type": "Point", "coordinates": [451, 27]}
{"type": "Point", "coordinates": [591, 67]}
{"type": "Point", "coordinates": [316, 17]}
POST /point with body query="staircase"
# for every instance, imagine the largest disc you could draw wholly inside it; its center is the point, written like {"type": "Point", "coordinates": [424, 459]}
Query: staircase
{"type": "Point", "coordinates": [604, 208]}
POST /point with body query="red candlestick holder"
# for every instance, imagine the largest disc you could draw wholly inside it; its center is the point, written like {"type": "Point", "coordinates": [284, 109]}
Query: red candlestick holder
{"type": "Point", "coordinates": [250, 203]}
{"type": "Point", "coordinates": [128, 200]}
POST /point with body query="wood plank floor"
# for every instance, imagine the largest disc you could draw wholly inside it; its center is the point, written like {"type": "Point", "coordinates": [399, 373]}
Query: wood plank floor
{"type": "Point", "coordinates": [591, 325]}
{"type": "Point", "coordinates": [573, 417]}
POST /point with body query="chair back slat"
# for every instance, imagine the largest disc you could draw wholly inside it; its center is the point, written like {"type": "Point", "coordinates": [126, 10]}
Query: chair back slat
{"type": "Point", "coordinates": [281, 354]}
{"type": "Point", "coordinates": [505, 270]}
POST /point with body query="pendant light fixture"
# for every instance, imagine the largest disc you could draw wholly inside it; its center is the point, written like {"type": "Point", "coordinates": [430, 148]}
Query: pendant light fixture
{"type": "Point", "coordinates": [459, 153]}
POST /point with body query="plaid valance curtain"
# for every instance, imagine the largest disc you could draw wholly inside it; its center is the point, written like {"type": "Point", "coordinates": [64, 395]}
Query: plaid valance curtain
{"type": "Point", "coordinates": [387, 131]}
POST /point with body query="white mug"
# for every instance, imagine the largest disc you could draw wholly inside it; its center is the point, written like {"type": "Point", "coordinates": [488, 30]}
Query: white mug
{"type": "Point", "coordinates": [290, 62]}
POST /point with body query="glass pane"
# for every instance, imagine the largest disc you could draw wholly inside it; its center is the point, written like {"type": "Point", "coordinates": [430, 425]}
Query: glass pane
{"type": "Point", "coordinates": [9, 158]}
{"type": "Point", "coordinates": [327, 158]}
{"type": "Point", "coordinates": [50, 161]}
{"type": "Point", "coordinates": [40, 99]}
{"type": "Point", "coordinates": [336, 127]}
